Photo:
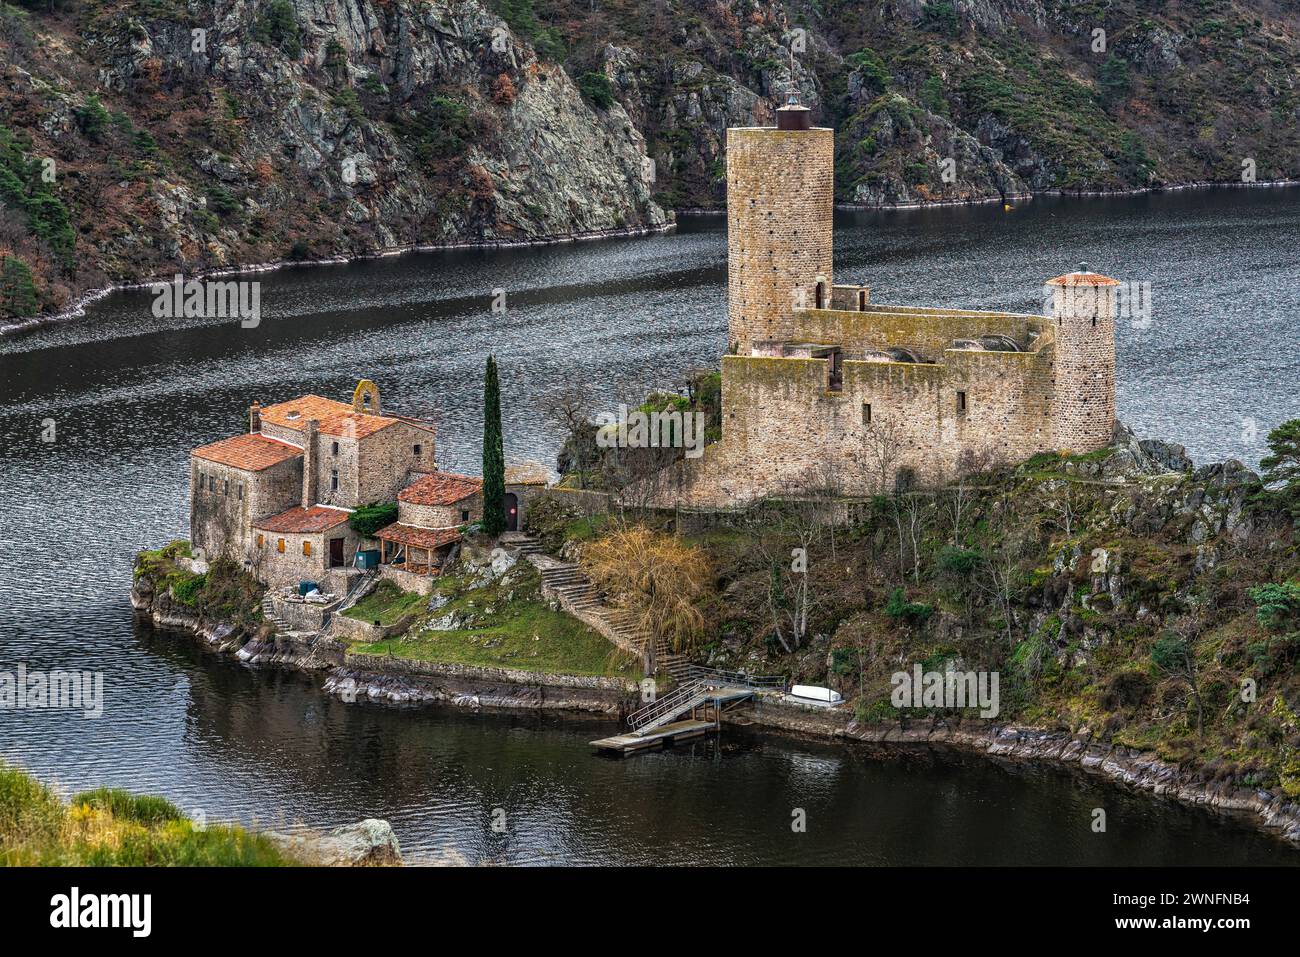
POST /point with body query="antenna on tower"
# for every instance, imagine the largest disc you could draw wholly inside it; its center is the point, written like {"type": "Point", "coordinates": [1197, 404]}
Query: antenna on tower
{"type": "Point", "coordinates": [792, 97]}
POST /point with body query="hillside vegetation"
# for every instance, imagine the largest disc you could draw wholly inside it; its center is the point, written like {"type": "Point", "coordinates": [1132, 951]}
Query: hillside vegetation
{"type": "Point", "coordinates": [1121, 594]}
{"type": "Point", "coordinates": [144, 138]}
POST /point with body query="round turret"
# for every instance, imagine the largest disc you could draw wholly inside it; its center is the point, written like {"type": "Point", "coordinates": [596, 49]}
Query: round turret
{"type": "Point", "coordinates": [1083, 406]}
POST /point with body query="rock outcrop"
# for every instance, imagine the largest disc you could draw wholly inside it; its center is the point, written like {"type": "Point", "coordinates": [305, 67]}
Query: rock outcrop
{"type": "Point", "coordinates": [368, 843]}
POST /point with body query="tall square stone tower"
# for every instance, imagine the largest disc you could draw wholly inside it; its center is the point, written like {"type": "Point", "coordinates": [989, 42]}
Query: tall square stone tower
{"type": "Point", "coordinates": [780, 204]}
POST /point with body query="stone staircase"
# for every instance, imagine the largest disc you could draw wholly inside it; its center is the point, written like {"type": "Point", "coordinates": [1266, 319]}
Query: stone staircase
{"type": "Point", "coordinates": [525, 543]}
{"type": "Point", "coordinates": [272, 619]}
{"type": "Point", "coordinates": [578, 596]}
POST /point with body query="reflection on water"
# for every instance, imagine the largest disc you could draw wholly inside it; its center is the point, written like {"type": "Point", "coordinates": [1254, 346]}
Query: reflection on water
{"type": "Point", "coordinates": [131, 394]}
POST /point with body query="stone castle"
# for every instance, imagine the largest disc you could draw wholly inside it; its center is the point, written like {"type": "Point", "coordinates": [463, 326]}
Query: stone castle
{"type": "Point", "coordinates": [823, 388]}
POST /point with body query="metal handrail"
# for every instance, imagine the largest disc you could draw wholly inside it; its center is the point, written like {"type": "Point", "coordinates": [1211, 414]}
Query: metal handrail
{"type": "Point", "coordinates": [366, 577]}
{"type": "Point", "coordinates": [701, 673]}
{"type": "Point", "coordinates": [668, 704]}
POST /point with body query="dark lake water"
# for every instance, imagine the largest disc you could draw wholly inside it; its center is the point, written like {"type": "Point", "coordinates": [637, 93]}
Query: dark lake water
{"type": "Point", "coordinates": [1215, 369]}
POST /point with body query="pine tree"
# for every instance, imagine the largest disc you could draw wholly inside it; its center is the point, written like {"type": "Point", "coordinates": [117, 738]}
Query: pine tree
{"type": "Point", "coordinates": [18, 296]}
{"type": "Point", "coordinates": [494, 463]}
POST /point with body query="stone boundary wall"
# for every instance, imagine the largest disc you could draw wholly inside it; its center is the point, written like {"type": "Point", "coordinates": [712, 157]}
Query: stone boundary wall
{"type": "Point", "coordinates": [385, 664]}
{"type": "Point", "coordinates": [358, 630]}
{"type": "Point", "coordinates": [407, 581]}
{"type": "Point", "coordinates": [782, 425]}
{"type": "Point", "coordinates": [301, 615]}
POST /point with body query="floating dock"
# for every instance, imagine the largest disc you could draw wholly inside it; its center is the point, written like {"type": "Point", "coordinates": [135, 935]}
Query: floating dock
{"type": "Point", "coordinates": [662, 735]}
{"type": "Point", "coordinates": [704, 707]}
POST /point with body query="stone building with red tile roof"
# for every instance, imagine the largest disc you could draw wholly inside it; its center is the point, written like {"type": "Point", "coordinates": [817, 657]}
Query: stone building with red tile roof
{"type": "Point", "coordinates": [278, 497]}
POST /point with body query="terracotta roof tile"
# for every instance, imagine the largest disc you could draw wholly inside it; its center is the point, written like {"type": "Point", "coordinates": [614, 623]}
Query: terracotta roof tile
{"type": "Point", "coordinates": [335, 418]}
{"type": "Point", "coordinates": [440, 488]}
{"type": "Point", "coordinates": [301, 521]}
{"type": "Point", "coordinates": [251, 452]}
{"type": "Point", "coordinates": [418, 537]}
{"type": "Point", "coordinates": [1083, 279]}
{"type": "Point", "coordinates": [527, 473]}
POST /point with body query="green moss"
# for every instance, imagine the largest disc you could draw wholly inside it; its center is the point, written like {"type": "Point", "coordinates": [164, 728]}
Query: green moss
{"type": "Point", "coordinates": [387, 604]}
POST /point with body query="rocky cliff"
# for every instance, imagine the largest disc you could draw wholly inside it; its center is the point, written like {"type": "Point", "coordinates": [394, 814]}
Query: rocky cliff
{"type": "Point", "coordinates": [140, 138]}
{"type": "Point", "coordinates": [148, 137]}
{"type": "Point", "coordinates": [952, 101]}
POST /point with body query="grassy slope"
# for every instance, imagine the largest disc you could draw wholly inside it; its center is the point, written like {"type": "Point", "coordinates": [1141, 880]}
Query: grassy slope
{"type": "Point", "coordinates": [114, 828]}
{"type": "Point", "coordinates": [506, 625]}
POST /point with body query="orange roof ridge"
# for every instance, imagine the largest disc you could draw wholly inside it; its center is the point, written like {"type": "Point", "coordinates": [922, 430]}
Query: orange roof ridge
{"type": "Point", "coordinates": [249, 452]}
{"type": "Point", "coordinates": [299, 520]}
{"type": "Point", "coordinates": [1083, 279]}
{"type": "Point", "coordinates": [440, 488]}
{"type": "Point", "coordinates": [333, 417]}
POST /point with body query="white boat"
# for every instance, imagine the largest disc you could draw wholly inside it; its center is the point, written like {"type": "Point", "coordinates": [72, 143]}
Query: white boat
{"type": "Point", "coordinates": [816, 693]}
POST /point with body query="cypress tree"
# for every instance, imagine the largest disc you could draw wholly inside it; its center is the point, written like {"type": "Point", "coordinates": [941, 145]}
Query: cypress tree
{"type": "Point", "coordinates": [494, 463]}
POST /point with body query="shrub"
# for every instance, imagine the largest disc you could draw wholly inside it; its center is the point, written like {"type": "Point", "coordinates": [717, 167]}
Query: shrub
{"type": "Point", "coordinates": [934, 96]}
{"type": "Point", "coordinates": [959, 561]}
{"type": "Point", "coordinates": [17, 288]}
{"type": "Point", "coordinates": [941, 18]}
{"type": "Point", "coordinates": [443, 127]}
{"type": "Point", "coordinates": [369, 519]}
{"type": "Point", "coordinates": [595, 89]}
{"type": "Point", "coordinates": [222, 202]}
{"type": "Point", "coordinates": [92, 118]}
{"type": "Point", "coordinates": [1282, 468]}
{"type": "Point", "coordinates": [900, 609]}
{"type": "Point", "coordinates": [1126, 689]}
{"type": "Point", "coordinates": [141, 808]}
{"type": "Point", "coordinates": [279, 27]}
{"type": "Point", "coordinates": [1113, 78]}
{"type": "Point", "coordinates": [187, 590]}
{"type": "Point", "coordinates": [871, 68]}
{"type": "Point", "coordinates": [503, 90]}
{"type": "Point", "coordinates": [1277, 606]}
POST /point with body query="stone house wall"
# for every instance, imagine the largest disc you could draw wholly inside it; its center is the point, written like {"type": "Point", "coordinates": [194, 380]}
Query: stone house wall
{"type": "Point", "coordinates": [220, 517]}
{"type": "Point", "coordinates": [278, 569]}
{"type": "Point", "coordinates": [441, 516]}
{"type": "Point", "coordinates": [387, 460]}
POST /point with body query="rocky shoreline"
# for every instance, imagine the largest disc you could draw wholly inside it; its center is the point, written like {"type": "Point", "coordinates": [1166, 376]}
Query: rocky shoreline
{"type": "Point", "coordinates": [78, 307]}
{"type": "Point", "coordinates": [394, 680]}
{"type": "Point", "coordinates": [399, 681]}
{"type": "Point", "coordinates": [1023, 195]}
{"type": "Point", "coordinates": [1124, 766]}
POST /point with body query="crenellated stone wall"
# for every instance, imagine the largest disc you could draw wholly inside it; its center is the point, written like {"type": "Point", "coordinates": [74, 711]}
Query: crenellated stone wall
{"type": "Point", "coordinates": [785, 430]}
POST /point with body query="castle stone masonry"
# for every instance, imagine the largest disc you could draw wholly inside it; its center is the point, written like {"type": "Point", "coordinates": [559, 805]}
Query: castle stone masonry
{"type": "Point", "coordinates": [823, 387]}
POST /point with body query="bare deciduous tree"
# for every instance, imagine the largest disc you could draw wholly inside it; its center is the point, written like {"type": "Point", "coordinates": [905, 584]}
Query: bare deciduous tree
{"type": "Point", "coordinates": [571, 409]}
{"type": "Point", "coordinates": [792, 522]}
{"type": "Point", "coordinates": [960, 492]}
{"type": "Point", "coordinates": [658, 578]}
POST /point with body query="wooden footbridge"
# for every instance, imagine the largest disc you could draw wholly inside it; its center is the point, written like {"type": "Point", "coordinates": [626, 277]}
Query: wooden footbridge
{"type": "Point", "coordinates": [690, 711]}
